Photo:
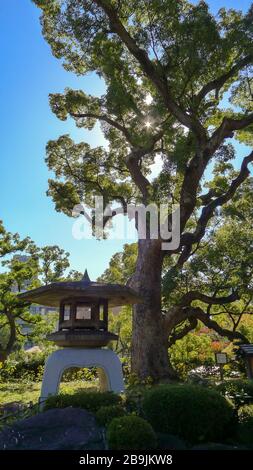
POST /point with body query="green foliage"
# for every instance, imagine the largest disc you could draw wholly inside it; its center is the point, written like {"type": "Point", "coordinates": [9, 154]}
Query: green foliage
{"type": "Point", "coordinates": [134, 397]}
{"type": "Point", "coordinates": [25, 266]}
{"type": "Point", "coordinates": [121, 266]}
{"type": "Point", "coordinates": [130, 432]}
{"type": "Point", "coordinates": [194, 413]}
{"type": "Point", "coordinates": [54, 262]}
{"type": "Point", "coordinates": [121, 324]}
{"type": "Point", "coordinates": [41, 326]}
{"type": "Point", "coordinates": [218, 264]}
{"type": "Point", "coordinates": [188, 47]}
{"type": "Point", "coordinates": [190, 352]}
{"type": "Point", "coordinates": [11, 243]}
{"type": "Point", "coordinates": [20, 271]}
{"type": "Point", "coordinates": [245, 426]}
{"type": "Point", "coordinates": [26, 369]}
{"type": "Point", "coordinates": [106, 414]}
{"type": "Point", "coordinates": [90, 401]}
{"type": "Point", "coordinates": [74, 373]}
{"type": "Point", "coordinates": [245, 412]}
{"type": "Point", "coordinates": [240, 392]}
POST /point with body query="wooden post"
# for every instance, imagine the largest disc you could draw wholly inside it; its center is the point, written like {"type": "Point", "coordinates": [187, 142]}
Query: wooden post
{"type": "Point", "coordinates": [72, 314]}
{"type": "Point", "coordinates": [221, 372]}
{"type": "Point", "coordinates": [106, 314]}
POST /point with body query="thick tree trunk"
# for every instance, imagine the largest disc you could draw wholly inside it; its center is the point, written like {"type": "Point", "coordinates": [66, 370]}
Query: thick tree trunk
{"type": "Point", "coordinates": [150, 335]}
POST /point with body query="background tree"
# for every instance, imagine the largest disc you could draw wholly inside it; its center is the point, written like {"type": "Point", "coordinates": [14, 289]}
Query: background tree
{"type": "Point", "coordinates": [178, 86]}
{"type": "Point", "coordinates": [121, 266]}
{"type": "Point", "coordinates": [24, 266]}
{"type": "Point", "coordinates": [19, 273]}
{"type": "Point", "coordinates": [53, 263]}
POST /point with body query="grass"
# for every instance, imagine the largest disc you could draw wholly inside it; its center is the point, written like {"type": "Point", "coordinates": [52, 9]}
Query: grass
{"type": "Point", "coordinates": [27, 392]}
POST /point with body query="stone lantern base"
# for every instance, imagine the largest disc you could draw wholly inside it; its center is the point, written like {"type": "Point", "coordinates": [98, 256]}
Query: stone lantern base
{"type": "Point", "coordinates": [106, 361]}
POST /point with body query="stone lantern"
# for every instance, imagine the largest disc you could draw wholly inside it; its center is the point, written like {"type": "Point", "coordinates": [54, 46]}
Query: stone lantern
{"type": "Point", "coordinates": [83, 329]}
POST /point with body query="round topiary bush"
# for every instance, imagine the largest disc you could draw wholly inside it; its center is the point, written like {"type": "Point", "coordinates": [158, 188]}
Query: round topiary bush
{"type": "Point", "coordinates": [106, 414]}
{"type": "Point", "coordinates": [245, 426]}
{"type": "Point", "coordinates": [192, 412]}
{"type": "Point", "coordinates": [130, 433]}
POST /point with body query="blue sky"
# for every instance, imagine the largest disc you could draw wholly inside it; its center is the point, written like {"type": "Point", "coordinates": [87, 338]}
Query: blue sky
{"type": "Point", "coordinates": [29, 73]}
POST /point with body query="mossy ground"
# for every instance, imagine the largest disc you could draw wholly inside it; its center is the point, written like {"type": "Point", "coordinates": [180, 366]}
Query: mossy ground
{"type": "Point", "coordinates": [27, 392]}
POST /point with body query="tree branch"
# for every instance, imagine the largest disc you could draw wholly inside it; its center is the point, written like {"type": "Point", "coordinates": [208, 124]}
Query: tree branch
{"type": "Point", "coordinates": [133, 165]}
{"type": "Point", "coordinates": [218, 83]}
{"type": "Point", "coordinates": [157, 76]}
{"type": "Point", "coordinates": [103, 117]}
{"type": "Point", "coordinates": [204, 318]}
{"type": "Point", "coordinates": [225, 130]}
{"type": "Point", "coordinates": [139, 179]}
{"type": "Point", "coordinates": [196, 295]}
{"type": "Point", "coordinates": [187, 328]}
{"type": "Point", "coordinates": [188, 239]}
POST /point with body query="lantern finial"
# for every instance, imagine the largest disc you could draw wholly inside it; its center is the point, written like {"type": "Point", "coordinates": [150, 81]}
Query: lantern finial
{"type": "Point", "coordinates": [86, 277]}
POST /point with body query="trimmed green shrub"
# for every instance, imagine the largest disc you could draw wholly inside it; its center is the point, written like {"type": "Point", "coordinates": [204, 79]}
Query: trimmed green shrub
{"type": "Point", "coordinates": [245, 426]}
{"type": "Point", "coordinates": [106, 414]}
{"type": "Point", "coordinates": [192, 412]}
{"type": "Point", "coordinates": [90, 401]}
{"type": "Point", "coordinates": [130, 433]}
{"type": "Point", "coordinates": [239, 391]}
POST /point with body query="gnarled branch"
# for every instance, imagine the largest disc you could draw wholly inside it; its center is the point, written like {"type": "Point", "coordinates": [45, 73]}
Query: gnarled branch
{"type": "Point", "coordinates": [192, 324]}
{"type": "Point", "coordinates": [213, 325]}
{"type": "Point", "coordinates": [188, 239]}
{"type": "Point", "coordinates": [218, 83]}
{"type": "Point", "coordinates": [227, 129]}
{"type": "Point", "coordinates": [196, 295]}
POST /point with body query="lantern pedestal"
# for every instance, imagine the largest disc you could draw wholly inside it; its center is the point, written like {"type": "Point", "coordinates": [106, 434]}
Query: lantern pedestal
{"type": "Point", "coordinates": [106, 361]}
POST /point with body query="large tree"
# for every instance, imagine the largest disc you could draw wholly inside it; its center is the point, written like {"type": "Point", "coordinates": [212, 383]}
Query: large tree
{"type": "Point", "coordinates": [222, 263]}
{"type": "Point", "coordinates": [178, 86]}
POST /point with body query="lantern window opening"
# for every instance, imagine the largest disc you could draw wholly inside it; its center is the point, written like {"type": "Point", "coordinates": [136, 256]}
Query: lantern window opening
{"type": "Point", "coordinates": [101, 312]}
{"type": "Point", "coordinates": [83, 311]}
{"type": "Point", "coordinates": [66, 312]}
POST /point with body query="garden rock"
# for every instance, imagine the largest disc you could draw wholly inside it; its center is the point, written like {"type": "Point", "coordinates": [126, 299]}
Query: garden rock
{"type": "Point", "coordinates": [56, 429]}
{"type": "Point", "coordinates": [168, 441]}
{"type": "Point", "coordinates": [217, 446]}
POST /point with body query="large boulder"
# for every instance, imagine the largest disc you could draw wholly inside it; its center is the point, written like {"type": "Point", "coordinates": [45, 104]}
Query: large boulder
{"type": "Point", "coordinates": [56, 429]}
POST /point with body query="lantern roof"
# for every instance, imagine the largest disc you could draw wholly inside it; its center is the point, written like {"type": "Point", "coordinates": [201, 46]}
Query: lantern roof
{"type": "Point", "coordinates": [52, 294]}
